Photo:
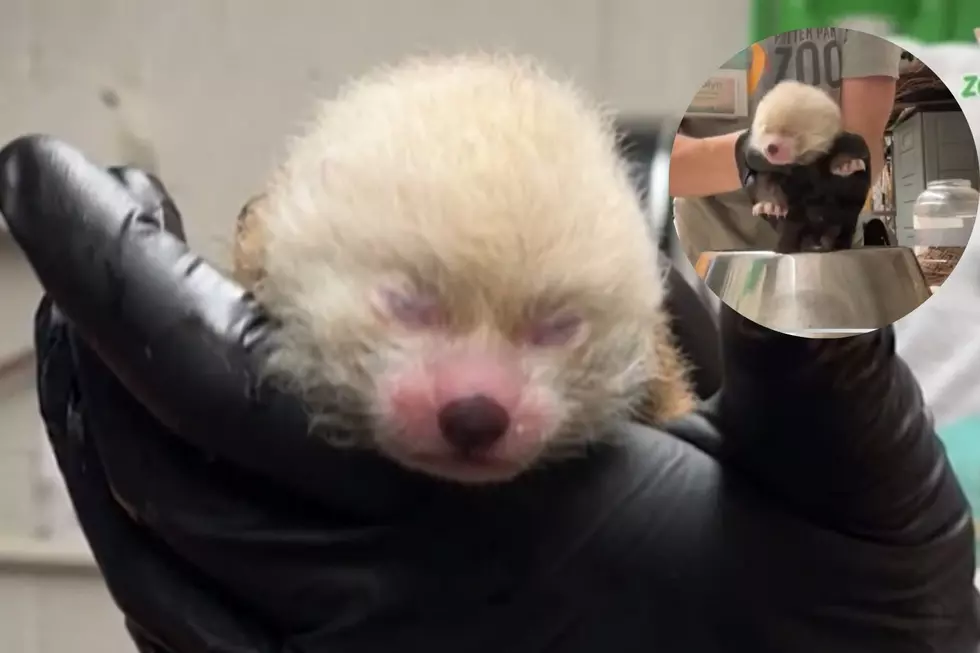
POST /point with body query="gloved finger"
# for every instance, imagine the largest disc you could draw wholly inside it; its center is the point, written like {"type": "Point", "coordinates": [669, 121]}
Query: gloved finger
{"type": "Point", "coordinates": [153, 197]}
{"type": "Point", "coordinates": [149, 586]}
{"type": "Point", "coordinates": [186, 341]}
{"type": "Point", "coordinates": [242, 531]}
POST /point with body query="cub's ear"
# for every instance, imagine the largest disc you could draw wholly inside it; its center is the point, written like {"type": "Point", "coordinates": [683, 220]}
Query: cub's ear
{"type": "Point", "coordinates": [249, 252]}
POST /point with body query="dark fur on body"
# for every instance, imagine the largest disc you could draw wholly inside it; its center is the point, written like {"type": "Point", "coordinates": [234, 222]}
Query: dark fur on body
{"type": "Point", "coordinates": [822, 207]}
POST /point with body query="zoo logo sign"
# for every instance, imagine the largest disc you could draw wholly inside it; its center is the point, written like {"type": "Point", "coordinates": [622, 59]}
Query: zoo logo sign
{"type": "Point", "coordinates": [971, 86]}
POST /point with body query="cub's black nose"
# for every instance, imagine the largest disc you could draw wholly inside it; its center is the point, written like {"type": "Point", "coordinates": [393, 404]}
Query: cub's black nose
{"type": "Point", "coordinates": [772, 149]}
{"type": "Point", "coordinates": [473, 424]}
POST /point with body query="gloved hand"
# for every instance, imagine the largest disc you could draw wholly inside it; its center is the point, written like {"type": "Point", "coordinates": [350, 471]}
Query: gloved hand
{"type": "Point", "coordinates": [751, 162]}
{"type": "Point", "coordinates": [183, 339]}
{"type": "Point", "coordinates": [128, 556]}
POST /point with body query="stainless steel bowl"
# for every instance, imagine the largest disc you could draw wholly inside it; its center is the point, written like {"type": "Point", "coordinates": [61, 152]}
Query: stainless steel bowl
{"type": "Point", "coordinates": [818, 294]}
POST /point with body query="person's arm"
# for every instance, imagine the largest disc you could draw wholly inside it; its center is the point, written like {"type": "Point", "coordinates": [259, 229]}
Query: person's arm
{"type": "Point", "coordinates": [866, 105]}
{"type": "Point", "coordinates": [837, 430]}
{"type": "Point", "coordinates": [869, 72]}
{"type": "Point", "coordinates": [704, 166]}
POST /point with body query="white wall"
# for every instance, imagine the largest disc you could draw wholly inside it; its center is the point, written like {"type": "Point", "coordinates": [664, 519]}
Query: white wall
{"type": "Point", "coordinates": [206, 90]}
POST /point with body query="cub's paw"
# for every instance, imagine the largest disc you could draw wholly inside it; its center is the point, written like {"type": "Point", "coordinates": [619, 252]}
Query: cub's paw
{"type": "Point", "coordinates": [846, 166]}
{"type": "Point", "coordinates": [768, 209]}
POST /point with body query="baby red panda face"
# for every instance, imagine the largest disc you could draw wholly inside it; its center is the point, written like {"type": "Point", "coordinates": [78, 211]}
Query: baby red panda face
{"type": "Point", "coordinates": [462, 270]}
{"type": "Point", "coordinates": [778, 149]}
{"type": "Point", "coordinates": [479, 376]}
{"type": "Point", "coordinates": [794, 123]}
{"type": "Point", "coordinates": [473, 404]}
{"type": "Point", "coordinates": [785, 148]}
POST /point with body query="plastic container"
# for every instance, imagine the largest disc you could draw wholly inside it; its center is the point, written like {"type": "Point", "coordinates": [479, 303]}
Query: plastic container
{"type": "Point", "coordinates": [944, 213]}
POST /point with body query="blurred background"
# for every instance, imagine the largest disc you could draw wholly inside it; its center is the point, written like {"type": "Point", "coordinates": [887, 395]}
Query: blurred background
{"type": "Point", "coordinates": [202, 92]}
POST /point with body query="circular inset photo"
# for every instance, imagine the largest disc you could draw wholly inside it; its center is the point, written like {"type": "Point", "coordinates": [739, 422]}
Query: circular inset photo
{"type": "Point", "coordinates": [824, 182]}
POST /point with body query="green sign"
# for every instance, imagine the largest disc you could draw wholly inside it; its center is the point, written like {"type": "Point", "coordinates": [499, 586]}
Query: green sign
{"type": "Point", "coordinates": [929, 21]}
{"type": "Point", "coordinates": [970, 86]}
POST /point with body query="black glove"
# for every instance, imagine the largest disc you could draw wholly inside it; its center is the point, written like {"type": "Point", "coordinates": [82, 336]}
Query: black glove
{"type": "Point", "coordinates": [181, 337]}
{"type": "Point", "coordinates": [188, 449]}
{"type": "Point", "coordinates": [211, 558]}
{"type": "Point", "coordinates": [750, 162]}
{"type": "Point", "coordinates": [128, 556]}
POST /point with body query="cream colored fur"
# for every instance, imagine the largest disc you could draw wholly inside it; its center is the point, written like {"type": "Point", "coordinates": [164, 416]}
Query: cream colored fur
{"type": "Point", "coordinates": [806, 113]}
{"type": "Point", "coordinates": [494, 185]}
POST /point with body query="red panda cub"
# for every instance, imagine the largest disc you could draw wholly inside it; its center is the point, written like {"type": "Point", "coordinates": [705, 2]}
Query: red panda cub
{"type": "Point", "coordinates": [461, 272]}
{"type": "Point", "coordinates": [811, 179]}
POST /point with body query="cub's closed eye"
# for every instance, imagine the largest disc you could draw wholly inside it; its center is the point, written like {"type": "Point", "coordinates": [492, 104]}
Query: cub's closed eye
{"type": "Point", "coordinates": [414, 309]}
{"type": "Point", "coordinates": [555, 330]}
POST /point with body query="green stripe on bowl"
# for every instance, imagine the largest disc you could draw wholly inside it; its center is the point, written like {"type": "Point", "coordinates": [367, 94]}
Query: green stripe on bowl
{"type": "Point", "coordinates": [962, 442]}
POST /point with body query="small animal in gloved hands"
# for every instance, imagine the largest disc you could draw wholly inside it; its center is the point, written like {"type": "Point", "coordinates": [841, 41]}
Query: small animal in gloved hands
{"type": "Point", "coordinates": [462, 271]}
{"type": "Point", "coordinates": [806, 176]}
